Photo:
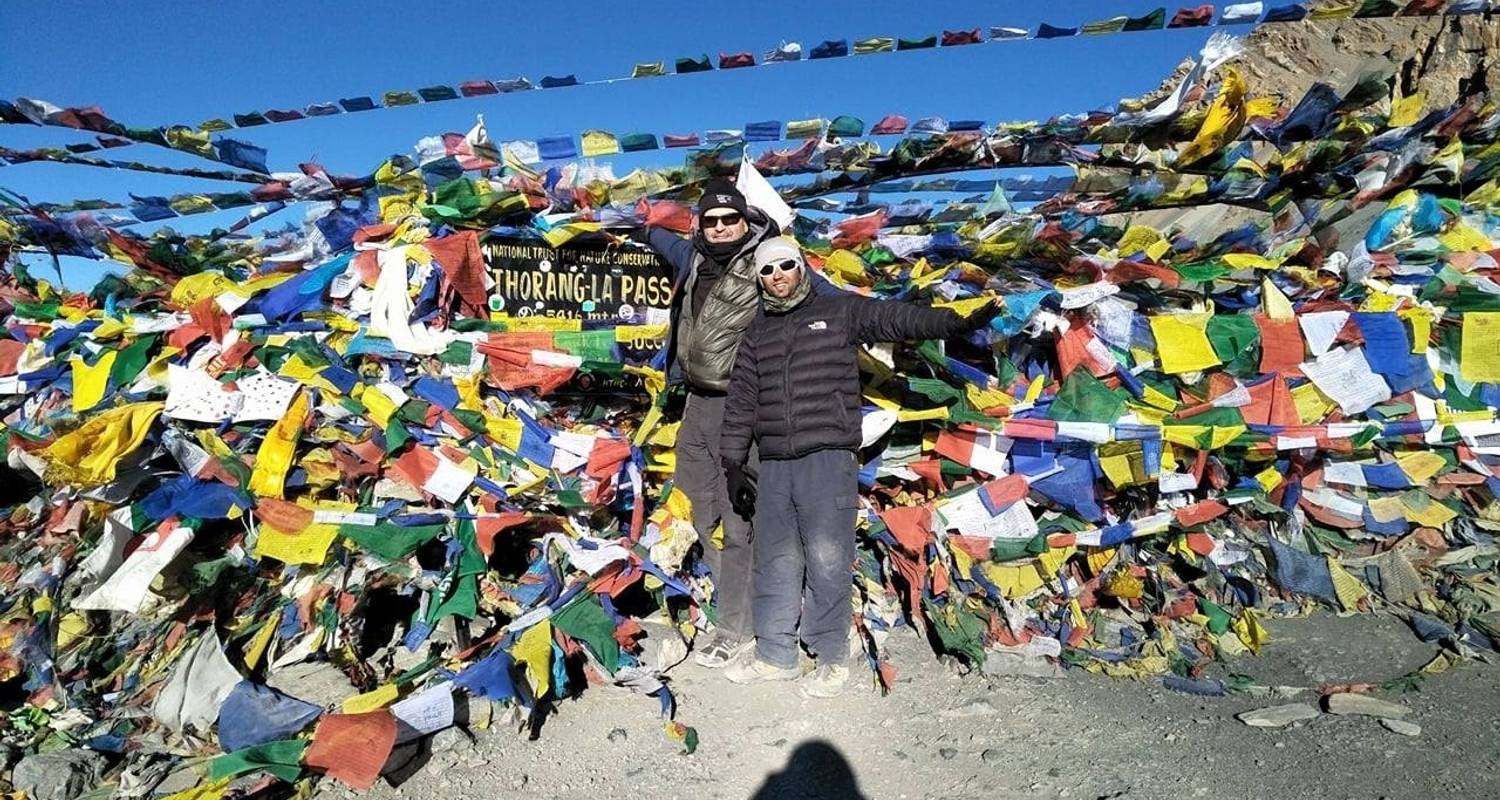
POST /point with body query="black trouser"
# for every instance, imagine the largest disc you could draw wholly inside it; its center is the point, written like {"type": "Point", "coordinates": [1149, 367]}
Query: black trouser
{"type": "Point", "coordinates": [804, 556]}
{"type": "Point", "coordinates": [700, 475]}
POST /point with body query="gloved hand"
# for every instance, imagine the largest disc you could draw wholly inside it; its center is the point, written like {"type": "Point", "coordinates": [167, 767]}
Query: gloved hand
{"type": "Point", "coordinates": [982, 317]}
{"type": "Point", "coordinates": [741, 490]}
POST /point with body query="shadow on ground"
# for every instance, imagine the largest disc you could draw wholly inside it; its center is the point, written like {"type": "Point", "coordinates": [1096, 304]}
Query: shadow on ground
{"type": "Point", "coordinates": [816, 769]}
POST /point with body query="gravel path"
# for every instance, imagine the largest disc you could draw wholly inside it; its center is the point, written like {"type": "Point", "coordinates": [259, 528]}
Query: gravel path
{"type": "Point", "coordinates": [940, 735]}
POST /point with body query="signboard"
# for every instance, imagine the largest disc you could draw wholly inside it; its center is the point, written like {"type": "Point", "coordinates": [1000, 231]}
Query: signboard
{"type": "Point", "coordinates": [595, 283]}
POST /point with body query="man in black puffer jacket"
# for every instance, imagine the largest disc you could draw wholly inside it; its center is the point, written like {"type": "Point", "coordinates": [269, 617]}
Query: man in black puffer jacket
{"type": "Point", "coordinates": [795, 393]}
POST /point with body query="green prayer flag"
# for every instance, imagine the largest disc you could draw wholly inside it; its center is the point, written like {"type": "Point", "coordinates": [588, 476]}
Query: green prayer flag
{"type": "Point", "coordinates": [1083, 398]}
{"type": "Point", "coordinates": [584, 619]}
{"type": "Point", "coordinates": [281, 758]}
{"type": "Point", "coordinates": [131, 360]}
{"type": "Point", "coordinates": [590, 345]}
{"type": "Point", "coordinates": [1218, 619]}
{"type": "Point", "coordinates": [389, 541]}
{"type": "Point", "coordinates": [1231, 335]}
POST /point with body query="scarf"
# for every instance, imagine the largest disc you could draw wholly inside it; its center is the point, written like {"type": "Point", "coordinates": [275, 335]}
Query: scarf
{"type": "Point", "coordinates": [781, 305]}
{"type": "Point", "coordinates": [720, 253]}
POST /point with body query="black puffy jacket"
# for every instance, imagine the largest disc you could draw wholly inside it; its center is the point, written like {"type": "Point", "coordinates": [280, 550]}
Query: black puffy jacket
{"type": "Point", "coordinates": [795, 386]}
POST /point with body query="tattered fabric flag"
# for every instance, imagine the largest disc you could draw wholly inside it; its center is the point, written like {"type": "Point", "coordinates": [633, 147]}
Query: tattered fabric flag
{"type": "Point", "coordinates": [255, 714]}
{"type": "Point", "coordinates": [889, 125]}
{"type": "Point", "coordinates": [832, 48]}
{"type": "Point", "coordinates": [804, 128]}
{"type": "Point", "coordinates": [689, 65]}
{"type": "Point", "coordinates": [1152, 21]}
{"type": "Point", "coordinates": [1103, 26]}
{"type": "Point", "coordinates": [87, 455]}
{"type": "Point", "coordinates": [959, 38]}
{"type": "Point", "coordinates": [1287, 13]}
{"type": "Point", "coordinates": [1241, 13]}
{"type": "Point", "coordinates": [353, 748]}
{"type": "Point", "coordinates": [202, 680]}
{"type": "Point", "coordinates": [1005, 34]}
{"type": "Point", "coordinates": [785, 52]}
{"type": "Point", "coordinates": [1194, 17]}
{"type": "Point", "coordinates": [874, 44]}
{"type": "Point", "coordinates": [599, 143]}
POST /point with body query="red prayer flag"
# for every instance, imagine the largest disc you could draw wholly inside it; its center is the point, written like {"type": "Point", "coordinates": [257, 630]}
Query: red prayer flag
{"type": "Point", "coordinates": [353, 747]}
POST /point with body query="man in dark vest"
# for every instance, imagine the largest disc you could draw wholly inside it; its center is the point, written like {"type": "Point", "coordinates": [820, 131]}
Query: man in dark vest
{"type": "Point", "coordinates": [717, 296]}
{"type": "Point", "coordinates": [795, 394]}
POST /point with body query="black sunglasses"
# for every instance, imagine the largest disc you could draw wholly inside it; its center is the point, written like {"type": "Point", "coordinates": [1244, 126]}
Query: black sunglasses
{"type": "Point", "coordinates": [727, 220]}
{"type": "Point", "coordinates": [783, 266]}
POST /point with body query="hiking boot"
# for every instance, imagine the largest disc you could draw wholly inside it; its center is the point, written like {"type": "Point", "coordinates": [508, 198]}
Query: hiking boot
{"type": "Point", "coordinates": [749, 669]}
{"type": "Point", "coordinates": [828, 680]}
{"type": "Point", "coordinates": [722, 651]}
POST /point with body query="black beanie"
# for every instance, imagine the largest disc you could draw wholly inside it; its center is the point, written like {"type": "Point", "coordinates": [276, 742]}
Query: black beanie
{"type": "Point", "coordinates": [720, 193]}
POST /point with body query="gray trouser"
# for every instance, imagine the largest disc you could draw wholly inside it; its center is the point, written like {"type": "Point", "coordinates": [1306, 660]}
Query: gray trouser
{"type": "Point", "coordinates": [804, 556]}
{"type": "Point", "coordinates": [700, 475]}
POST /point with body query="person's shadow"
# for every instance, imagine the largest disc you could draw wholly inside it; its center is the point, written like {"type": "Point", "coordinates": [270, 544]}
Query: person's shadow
{"type": "Point", "coordinates": [816, 769]}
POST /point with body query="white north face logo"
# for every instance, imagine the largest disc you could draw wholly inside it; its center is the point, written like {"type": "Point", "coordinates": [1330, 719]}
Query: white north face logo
{"type": "Point", "coordinates": [820, 325]}
{"type": "Point", "coordinates": [722, 198]}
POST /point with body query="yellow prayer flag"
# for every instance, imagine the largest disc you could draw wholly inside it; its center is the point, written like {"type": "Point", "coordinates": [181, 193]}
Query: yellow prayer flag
{"type": "Point", "coordinates": [1479, 351]}
{"type": "Point", "coordinates": [307, 546]}
{"type": "Point", "coordinates": [846, 266]}
{"type": "Point", "coordinates": [1249, 630]}
{"type": "Point", "coordinates": [1225, 118]}
{"type": "Point", "coordinates": [562, 234]}
{"type": "Point", "coordinates": [912, 415]}
{"type": "Point", "coordinates": [631, 333]}
{"type": "Point", "coordinates": [534, 324]}
{"type": "Point", "coordinates": [1182, 342]}
{"type": "Point", "coordinates": [274, 457]}
{"type": "Point", "coordinates": [1346, 587]}
{"type": "Point", "coordinates": [964, 307]}
{"type": "Point", "coordinates": [380, 697]}
{"type": "Point", "coordinates": [1420, 465]}
{"type": "Point", "coordinates": [90, 382]}
{"type": "Point", "coordinates": [1312, 405]}
{"type": "Point", "coordinates": [506, 431]}
{"type": "Point", "coordinates": [533, 650]}
{"type": "Point", "coordinates": [599, 143]}
{"type": "Point", "coordinates": [1268, 478]}
{"type": "Point", "coordinates": [87, 455]}
{"type": "Point", "coordinates": [1249, 261]}
{"type": "Point", "coordinates": [1014, 581]}
{"type": "Point", "coordinates": [1274, 303]}
{"type": "Point", "coordinates": [258, 643]}
{"type": "Point", "coordinates": [1425, 511]}
{"type": "Point", "coordinates": [1406, 111]}
{"type": "Point", "coordinates": [1117, 469]}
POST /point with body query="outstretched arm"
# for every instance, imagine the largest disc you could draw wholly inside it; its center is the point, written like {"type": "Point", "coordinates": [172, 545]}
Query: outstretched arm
{"type": "Point", "coordinates": [896, 321]}
{"type": "Point", "coordinates": [676, 250]}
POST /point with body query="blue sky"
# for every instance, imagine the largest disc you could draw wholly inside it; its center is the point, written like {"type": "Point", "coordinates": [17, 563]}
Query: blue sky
{"type": "Point", "coordinates": [184, 62]}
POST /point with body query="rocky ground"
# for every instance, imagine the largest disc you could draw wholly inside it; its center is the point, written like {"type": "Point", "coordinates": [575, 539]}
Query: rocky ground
{"type": "Point", "coordinates": [941, 735]}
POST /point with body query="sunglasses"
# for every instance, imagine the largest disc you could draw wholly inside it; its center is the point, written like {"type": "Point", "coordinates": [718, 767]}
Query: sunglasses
{"type": "Point", "coordinates": [779, 266]}
{"type": "Point", "coordinates": [726, 220]}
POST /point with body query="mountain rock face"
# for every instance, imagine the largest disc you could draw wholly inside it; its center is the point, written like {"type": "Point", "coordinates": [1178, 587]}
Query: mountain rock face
{"type": "Point", "coordinates": [1439, 56]}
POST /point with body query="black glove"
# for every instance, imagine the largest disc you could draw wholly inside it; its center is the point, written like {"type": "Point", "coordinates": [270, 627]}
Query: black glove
{"type": "Point", "coordinates": [981, 318]}
{"type": "Point", "coordinates": [741, 487]}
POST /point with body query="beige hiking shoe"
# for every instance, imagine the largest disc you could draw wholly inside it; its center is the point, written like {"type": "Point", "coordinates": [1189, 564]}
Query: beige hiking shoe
{"type": "Point", "coordinates": [749, 669]}
{"type": "Point", "coordinates": [827, 681]}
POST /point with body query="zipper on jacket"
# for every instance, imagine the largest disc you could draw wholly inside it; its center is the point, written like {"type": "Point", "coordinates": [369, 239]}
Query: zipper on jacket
{"type": "Point", "coordinates": [786, 380]}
